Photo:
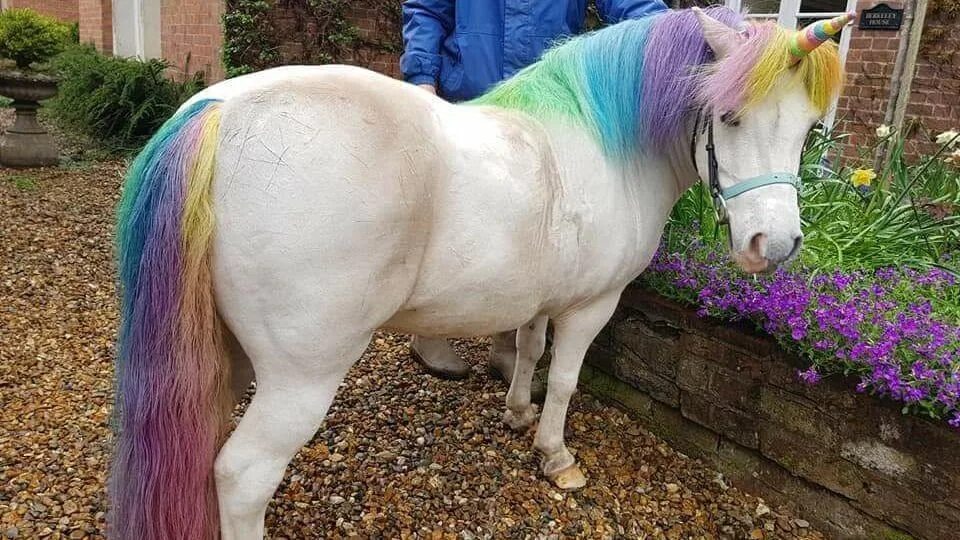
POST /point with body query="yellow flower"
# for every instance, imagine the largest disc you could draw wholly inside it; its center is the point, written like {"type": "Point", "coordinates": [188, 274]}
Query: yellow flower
{"type": "Point", "coordinates": [862, 177]}
{"type": "Point", "coordinates": [883, 130]}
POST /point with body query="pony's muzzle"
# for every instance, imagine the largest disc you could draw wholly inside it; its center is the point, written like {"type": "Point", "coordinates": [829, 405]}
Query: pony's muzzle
{"type": "Point", "coordinates": [763, 254]}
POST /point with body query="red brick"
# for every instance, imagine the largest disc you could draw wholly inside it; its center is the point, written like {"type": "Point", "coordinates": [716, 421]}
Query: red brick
{"type": "Point", "coordinates": [192, 37]}
{"type": "Point", "coordinates": [64, 10]}
{"type": "Point", "coordinates": [96, 23]}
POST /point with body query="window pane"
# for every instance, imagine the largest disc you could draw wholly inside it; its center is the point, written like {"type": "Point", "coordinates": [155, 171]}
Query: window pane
{"type": "Point", "coordinates": [822, 6]}
{"type": "Point", "coordinates": [761, 7]}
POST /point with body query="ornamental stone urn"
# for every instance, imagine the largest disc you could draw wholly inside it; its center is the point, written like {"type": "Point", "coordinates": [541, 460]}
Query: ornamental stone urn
{"type": "Point", "coordinates": [26, 143]}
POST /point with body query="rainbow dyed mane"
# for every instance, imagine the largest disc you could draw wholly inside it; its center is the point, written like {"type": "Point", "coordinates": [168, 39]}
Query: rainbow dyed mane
{"type": "Point", "coordinates": [167, 368]}
{"type": "Point", "coordinates": [633, 84]}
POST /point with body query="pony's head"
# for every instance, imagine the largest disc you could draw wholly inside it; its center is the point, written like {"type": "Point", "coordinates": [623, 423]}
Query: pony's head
{"type": "Point", "coordinates": [766, 89]}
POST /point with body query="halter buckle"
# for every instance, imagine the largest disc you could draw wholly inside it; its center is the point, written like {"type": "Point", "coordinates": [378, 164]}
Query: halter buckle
{"type": "Point", "coordinates": [720, 209]}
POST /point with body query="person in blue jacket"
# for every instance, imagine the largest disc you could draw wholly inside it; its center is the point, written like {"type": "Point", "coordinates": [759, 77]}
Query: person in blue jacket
{"type": "Point", "coordinates": [458, 49]}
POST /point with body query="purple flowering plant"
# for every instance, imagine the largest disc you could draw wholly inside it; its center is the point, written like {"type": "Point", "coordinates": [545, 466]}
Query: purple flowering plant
{"type": "Point", "coordinates": [880, 326]}
{"type": "Point", "coordinates": [874, 294]}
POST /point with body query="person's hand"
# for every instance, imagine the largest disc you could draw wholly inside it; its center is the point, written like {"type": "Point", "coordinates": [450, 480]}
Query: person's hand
{"type": "Point", "coordinates": [429, 88]}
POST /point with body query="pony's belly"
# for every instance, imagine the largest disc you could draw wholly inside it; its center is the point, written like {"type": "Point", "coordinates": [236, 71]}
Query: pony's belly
{"type": "Point", "coordinates": [476, 315]}
{"type": "Point", "coordinates": [435, 325]}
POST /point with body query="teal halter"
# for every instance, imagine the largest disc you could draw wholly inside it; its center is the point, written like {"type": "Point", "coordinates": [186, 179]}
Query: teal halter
{"type": "Point", "coordinates": [760, 181]}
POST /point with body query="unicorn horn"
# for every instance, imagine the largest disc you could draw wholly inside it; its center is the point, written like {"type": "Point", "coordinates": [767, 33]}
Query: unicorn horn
{"type": "Point", "coordinates": [817, 33]}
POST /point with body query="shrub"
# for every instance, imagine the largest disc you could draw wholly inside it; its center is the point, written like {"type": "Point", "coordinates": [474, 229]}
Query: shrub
{"type": "Point", "coordinates": [74, 33]}
{"type": "Point", "coordinates": [26, 37]}
{"type": "Point", "coordinates": [120, 102]}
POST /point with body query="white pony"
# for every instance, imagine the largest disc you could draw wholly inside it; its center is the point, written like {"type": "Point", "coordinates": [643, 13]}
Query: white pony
{"type": "Point", "coordinates": [280, 218]}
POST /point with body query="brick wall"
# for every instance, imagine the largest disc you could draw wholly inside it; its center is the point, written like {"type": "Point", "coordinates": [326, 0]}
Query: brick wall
{"type": "Point", "coordinates": [378, 48]}
{"type": "Point", "coordinates": [869, 68]}
{"type": "Point", "coordinates": [933, 105]}
{"type": "Point", "coordinates": [381, 32]}
{"type": "Point", "coordinates": [96, 23]}
{"type": "Point", "coordinates": [192, 36]}
{"type": "Point", "coordinates": [851, 463]}
{"type": "Point", "coordinates": [65, 10]}
{"type": "Point", "coordinates": [935, 95]}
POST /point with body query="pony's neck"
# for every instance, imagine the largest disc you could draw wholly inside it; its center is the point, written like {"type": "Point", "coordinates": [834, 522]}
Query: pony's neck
{"type": "Point", "coordinates": [630, 199]}
{"type": "Point", "coordinates": [672, 168]}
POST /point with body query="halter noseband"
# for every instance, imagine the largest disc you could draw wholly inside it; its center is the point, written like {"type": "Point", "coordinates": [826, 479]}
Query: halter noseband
{"type": "Point", "coordinates": [719, 194]}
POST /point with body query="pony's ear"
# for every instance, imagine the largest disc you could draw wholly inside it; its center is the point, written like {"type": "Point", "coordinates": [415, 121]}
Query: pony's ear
{"type": "Point", "coordinates": [721, 38]}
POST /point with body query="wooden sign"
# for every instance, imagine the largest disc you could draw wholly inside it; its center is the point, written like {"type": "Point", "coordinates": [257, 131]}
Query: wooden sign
{"type": "Point", "coordinates": [881, 17]}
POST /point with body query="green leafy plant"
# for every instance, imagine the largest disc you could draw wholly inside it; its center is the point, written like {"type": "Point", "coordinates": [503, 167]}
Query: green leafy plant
{"type": "Point", "coordinates": [388, 37]}
{"type": "Point", "coordinates": [27, 38]}
{"type": "Point", "coordinates": [119, 102]}
{"type": "Point", "coordinates": [74, 37]}
{"type": "Point", "coordinates": [249, 43]}
{"type": "Point", "coordinates": [889, 222]}
{"type": "Point", "coordinates": [310, 31]}
{"type": "Point", "coordinates": [336, 34]}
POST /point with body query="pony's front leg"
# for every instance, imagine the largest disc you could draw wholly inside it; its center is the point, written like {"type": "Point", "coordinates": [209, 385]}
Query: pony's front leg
{"type": "Point", "coordinates": [572, 334]}
{"type": "Point", "coordinates": [531, 339]}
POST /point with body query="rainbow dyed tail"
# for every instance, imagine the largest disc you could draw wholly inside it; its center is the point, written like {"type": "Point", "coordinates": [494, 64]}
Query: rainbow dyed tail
{"type": "Point", "coordinates": [171, 369]}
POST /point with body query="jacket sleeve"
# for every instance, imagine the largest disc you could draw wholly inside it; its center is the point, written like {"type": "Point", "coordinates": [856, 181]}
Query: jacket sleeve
{"type": "Point", "coordinates": [426, 23]}
{"type": "Point", "coordinates": [614, 11]}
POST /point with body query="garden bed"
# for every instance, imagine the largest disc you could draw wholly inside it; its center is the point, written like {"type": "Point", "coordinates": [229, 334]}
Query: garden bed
{"type": "Point", "coordinates": [851, 462]}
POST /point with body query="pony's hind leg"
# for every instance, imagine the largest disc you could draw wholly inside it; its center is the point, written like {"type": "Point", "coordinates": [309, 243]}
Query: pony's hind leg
{"type": "Point", "coordinates": [288, 407]}
{"type": "Point", "coordinates": [531, 340]}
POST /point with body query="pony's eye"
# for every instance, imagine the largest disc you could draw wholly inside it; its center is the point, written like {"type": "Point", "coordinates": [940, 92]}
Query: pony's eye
{"type": "Point", "coordinates": [730, 119]}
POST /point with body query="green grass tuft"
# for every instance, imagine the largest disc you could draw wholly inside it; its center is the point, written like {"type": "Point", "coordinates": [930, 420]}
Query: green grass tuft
{"type": "Point", "coordinates": [22, 182]}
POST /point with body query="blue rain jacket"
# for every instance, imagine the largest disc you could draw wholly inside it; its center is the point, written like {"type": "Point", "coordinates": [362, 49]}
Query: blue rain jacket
{"type": "Point", "coordinates": [466, 46]}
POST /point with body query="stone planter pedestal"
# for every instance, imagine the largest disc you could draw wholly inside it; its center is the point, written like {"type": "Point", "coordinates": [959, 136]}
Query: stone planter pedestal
{"type": "Point", "coordinates": [26, 143]}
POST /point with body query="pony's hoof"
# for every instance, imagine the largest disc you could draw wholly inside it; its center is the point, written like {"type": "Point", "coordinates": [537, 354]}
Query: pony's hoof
{"type": "Point", "coordinates": [569, 479]}
{"type": "Point", "coordinates": [520, 421]}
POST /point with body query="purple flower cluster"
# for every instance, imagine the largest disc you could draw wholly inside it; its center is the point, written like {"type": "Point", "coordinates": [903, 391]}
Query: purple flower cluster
{"type": "Point", "coordinates": [888, 326]}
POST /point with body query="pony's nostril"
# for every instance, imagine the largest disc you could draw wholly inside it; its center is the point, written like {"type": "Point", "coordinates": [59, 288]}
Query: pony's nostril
{"type": "Point", "coordinates": [758, 245]}
{"type": "Point", "coordinates": [797, 244]}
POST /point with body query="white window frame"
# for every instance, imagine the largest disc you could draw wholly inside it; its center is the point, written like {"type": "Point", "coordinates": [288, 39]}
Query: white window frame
{"type": "Point", "coordinates": [136, 28]}
{"type": "Point", "coordinates": [788, 15]}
